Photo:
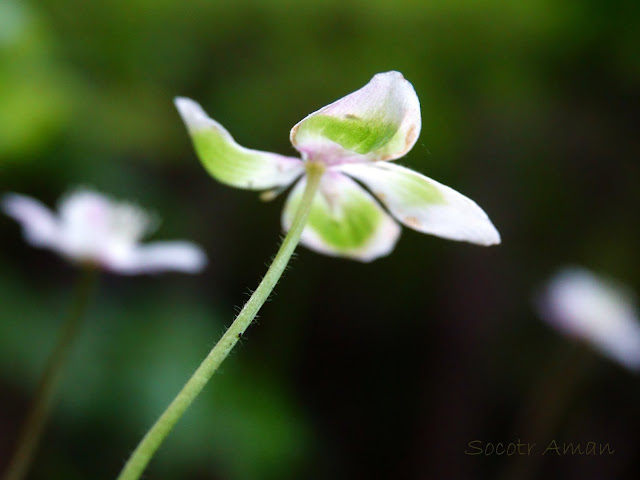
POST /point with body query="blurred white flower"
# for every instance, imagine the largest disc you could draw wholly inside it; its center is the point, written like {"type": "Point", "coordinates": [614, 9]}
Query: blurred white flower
{"type": "Point", "coordinates": [92, 228]}
{"type": "Point", "coordinates": [595, 310]}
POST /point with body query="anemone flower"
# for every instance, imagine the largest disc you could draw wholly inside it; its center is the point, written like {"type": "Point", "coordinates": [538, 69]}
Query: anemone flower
{"type": "Point", "coordinates": [354, 140]}
{"type": "Point", "coordinates": [96, 233]}
{"type": "Point", "coordinates": [345, 148]}
{"type": "Point", "coordinates": [93, 229]}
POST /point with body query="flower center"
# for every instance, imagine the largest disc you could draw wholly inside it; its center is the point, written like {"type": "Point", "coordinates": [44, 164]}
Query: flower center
{"type": "Point", "coordinates": [315, 166]}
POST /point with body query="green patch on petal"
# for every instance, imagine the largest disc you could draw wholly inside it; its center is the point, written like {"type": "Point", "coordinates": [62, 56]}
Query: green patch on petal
{"type": "Point", "coordinates": [415, 191]}
{"type": "Point", "coordinates": [351, 132]}
{"type": "Point", "coordinates": [344, 220]}
{"type": "Point", "coordinates": [222, 160]}
{"type": "Point", "coordinates": [424, 204]}
{"type": "Point", "coordinates": [378, 122]}
{"type": "Point", "coordinates": [229, 162]}
{"type": "Point", "coordinates": [349, 230]}
{"type": "Point", "coordinates": [396, 185]}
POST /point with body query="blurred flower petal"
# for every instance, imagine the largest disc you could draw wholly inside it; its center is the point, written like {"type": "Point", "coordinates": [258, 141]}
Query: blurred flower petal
{"type": "Point", "coordinates": [39, 225]}
{"type": "Point", "coordinates": [92, 224]}
{"type": "Point", "coordinates": [587, 307]}
{"type": "Point", "coordinates": [159, 257]}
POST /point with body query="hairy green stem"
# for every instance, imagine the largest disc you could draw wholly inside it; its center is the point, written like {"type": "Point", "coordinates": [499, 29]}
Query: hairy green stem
{"type": "Point", "coordinates": [43, 399]}
{"type": "Point", "coordinates": [155, 436]}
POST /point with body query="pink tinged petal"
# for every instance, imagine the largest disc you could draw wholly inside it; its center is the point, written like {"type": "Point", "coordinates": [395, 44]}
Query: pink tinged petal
{"type": "Point", "coordinates": [381, 121]}
{"type": "Point", "coordinates": [229, 162]}
{"type": "Point", "coordinates": [156, 257]}
{"type": "Point", "coordinates": [345, 221]}
{"type": "Point", "coordinates": [84, 225]}
{"type": "Point", "coordinates": [92, 224]}
{"type": "Point", "coordinates": [424, 204]}
{"type": "Point", "coordinates": [39, 225]}
{"type": "Point", "coordinates": [584, 306]}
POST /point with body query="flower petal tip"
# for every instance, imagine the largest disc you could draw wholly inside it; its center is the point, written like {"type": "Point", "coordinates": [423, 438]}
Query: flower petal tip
{"type": "Point", "coordinates": [492, 236]}
{"type": "Point", "coordinates": [199, 260]}
{"type": "Point", "coordinates": [391, 75]}
{"type": "Point", "coordinates": [478, 231]}
{"type": "Point", "coordinates": [187, 257]}
{"type": "Point", "coordinates": [194, 261]}
{"type": "Point", "coordinates": [595, 310]}
{"type": "Point", "coordinates": [192, 114]}
{"type": "Point", "coordinates": [10, 202]}
{"type": "Point", "coordinates": [38, 223]}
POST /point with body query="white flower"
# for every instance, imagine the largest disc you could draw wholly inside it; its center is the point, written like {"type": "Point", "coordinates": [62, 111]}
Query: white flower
{"type": "Point", "coordinates": [354, 138]}
{"type": "Point", "coordinates": [597, 311]}
{"type": "Point", "coordinates": [94, 229]}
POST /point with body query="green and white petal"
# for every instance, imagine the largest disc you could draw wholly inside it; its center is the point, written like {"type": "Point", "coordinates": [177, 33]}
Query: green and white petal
{"type": "Point", "coordinates": [345, 220]}
{"type": "Point", "coordinates": [229, 162]}
{"type": "Point", "coordinates": [424, 204]}
{"type": "Point", "coordinates": [381, 121]}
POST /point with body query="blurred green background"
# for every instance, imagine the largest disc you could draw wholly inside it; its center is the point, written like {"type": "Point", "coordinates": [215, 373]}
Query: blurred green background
{"type": "Point", "coordinates": [353, 371]}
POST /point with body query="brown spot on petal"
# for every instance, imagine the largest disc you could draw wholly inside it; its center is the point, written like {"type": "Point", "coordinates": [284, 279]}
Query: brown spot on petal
{"type": "Point", "coordinates": [410, 137]}
{"type": "Point", "coordinates": [412, 222]}
{"type": "Point", "coordinates": [381, 196]}
{"type": "Point", "coordinates": [351, 116]}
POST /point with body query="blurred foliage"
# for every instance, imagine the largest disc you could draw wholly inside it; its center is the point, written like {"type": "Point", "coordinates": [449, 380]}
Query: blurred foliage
{"type": "Point", "coordinates": [34, 90]}
{"type": "Point", "coordinates": [529, 107]}
{"type": "Point", "coordinates": [131, 360]}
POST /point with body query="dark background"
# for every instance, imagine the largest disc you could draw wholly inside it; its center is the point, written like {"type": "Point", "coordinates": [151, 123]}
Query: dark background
{"type": "Point", "coordinates": [353, 371]}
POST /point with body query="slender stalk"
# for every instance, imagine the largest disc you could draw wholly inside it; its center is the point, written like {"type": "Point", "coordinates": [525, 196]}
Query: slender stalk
{"type": "Point", "coordinates": [43, 399]}
{"type": "Point", "coordinates": [155, 436]}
